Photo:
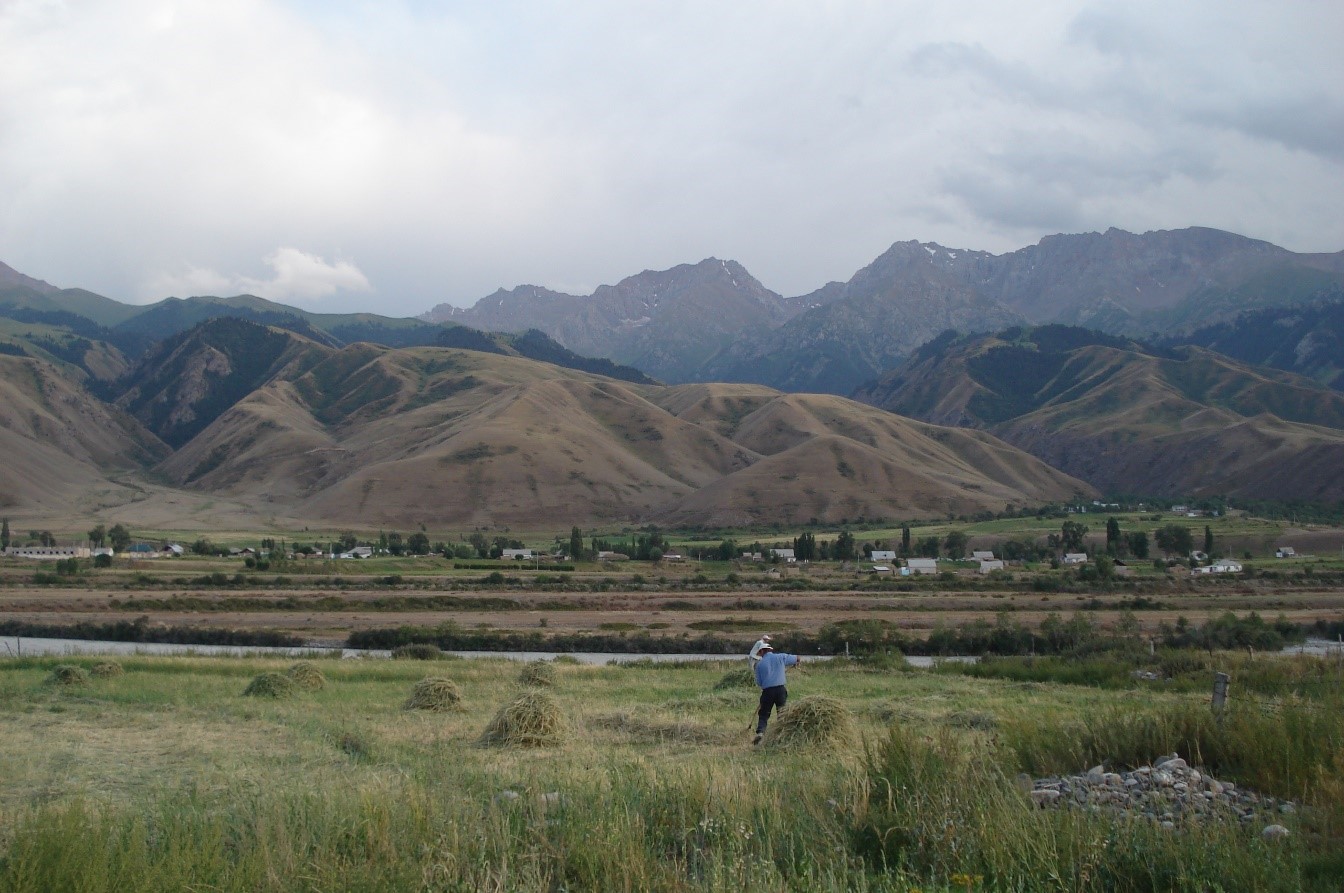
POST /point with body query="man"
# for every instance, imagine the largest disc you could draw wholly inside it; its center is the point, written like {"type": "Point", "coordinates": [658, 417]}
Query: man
{"type": "Point", "coordinates": [755, 653]}
{"type": "Point", "coordinates": [769, 672]}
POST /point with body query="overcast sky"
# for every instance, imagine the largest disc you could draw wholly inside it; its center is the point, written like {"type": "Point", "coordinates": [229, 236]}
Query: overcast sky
{"type": "Point", "coordinates": [389, 156]}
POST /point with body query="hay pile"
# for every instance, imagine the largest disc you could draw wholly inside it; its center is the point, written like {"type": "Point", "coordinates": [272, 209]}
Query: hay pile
{"type": "Point", "coordinates": [537, 675]}
{"type": "Point", "coordinates": [418, 651]}
{"type": "Point", "coordinates": [816, 721]}
{"type": "Point", "coordinates": [437, 694]}
{"type": "Point", "coordinates": [742, 678]}
{"type": "Point", "coordinates": [533, 719]}
{"type": "Point", "coordinates": [68, 674]}
{"type": "Point", "coordinates": [307, 676]}
{"type": "Point", "coordinates": [271, 685]}
{"type": "Point", "coordinates": [107, 669]}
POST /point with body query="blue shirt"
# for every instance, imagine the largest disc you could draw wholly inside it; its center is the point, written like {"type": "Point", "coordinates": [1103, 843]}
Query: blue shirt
{"type": "Point", "coordinates": [770, 668]}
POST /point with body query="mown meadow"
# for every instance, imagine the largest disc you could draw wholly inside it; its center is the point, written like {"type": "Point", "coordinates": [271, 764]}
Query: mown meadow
{"type": "Point", "coordinates": [159, 773]}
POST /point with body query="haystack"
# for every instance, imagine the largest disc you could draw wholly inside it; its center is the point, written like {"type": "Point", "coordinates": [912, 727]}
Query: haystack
{"type": "Point", "coordinates": [271, 685]}
{"type": "Point", "coordinates": [107, 669]}
{"type": "Point", "coordinates": [437, 694]}
{"type": "Point", "coordinates": [417, 651]}
{"type": "Point", "coordinates": [537, 675]}
{"type": "Point", "coordinates": [68, 674]}
{"type": "Point", "coordinates": [741, 678]}
{"type": "Point", "coordinates": [815, 721]}
{"type": "Point", "coordinates": [533, 719]}
{"type": "Point", "coordinates": [307, 676]}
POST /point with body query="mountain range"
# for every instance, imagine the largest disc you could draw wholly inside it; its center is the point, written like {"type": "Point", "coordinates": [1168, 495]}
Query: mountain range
{"type": "Point", "coordinates": [713, 321]}
{"type": "Point", "coordinates": [365, 419]}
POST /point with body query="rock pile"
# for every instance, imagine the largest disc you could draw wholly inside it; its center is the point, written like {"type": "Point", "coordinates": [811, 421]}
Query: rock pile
{"type": "Point", "coordinates": [1169, 792]}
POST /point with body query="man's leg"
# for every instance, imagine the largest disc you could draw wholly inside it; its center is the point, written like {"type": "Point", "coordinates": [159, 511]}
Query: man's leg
{"type": "Point", "coordinates": [772, 697]}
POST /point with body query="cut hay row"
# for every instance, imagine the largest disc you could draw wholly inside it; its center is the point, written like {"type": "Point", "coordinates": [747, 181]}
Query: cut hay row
{"type": "Point", "coordinates": [307, 676]}
{"type": "Point", "coordinates": [537, 675]}
{"type": "Point", "coordinates": [436, 694]}
{"type": "Point", "coordinates": [814, 721]}
{"type": "Point", "coordinates": [271, 685]}
{"type": "Point", "coordinates": [533, 719]}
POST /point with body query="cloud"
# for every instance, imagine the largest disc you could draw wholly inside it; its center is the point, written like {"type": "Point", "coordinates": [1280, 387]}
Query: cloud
{"type": "Point", "coordinates": [295, 276]}
{"type": "Point", "coordinates": [458, 148]}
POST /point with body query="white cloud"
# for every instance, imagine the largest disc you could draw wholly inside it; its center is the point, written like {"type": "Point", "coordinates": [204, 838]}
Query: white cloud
{"type": "Point", "coordinates": [295, 276]}
{"type": "Point", "coordinates": [457, 148]}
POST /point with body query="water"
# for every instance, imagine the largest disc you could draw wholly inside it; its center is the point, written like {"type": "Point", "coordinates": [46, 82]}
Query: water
{"type": "Point", "coordinates": [11, 646]}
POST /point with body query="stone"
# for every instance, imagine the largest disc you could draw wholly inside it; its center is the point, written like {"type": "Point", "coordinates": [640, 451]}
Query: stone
{"type": "Point", "coordinates": [1045, 797]}
{"type": "Point", "coordinates": [1274, 832]}
{"type": "Point", "coordinates": [506, 796]}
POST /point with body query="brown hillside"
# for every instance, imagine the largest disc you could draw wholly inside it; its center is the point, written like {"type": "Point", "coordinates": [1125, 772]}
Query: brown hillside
{"type": "Point", "coordinates": [389, 437]}
{"type": "Point", "coordinates": [59, 443]}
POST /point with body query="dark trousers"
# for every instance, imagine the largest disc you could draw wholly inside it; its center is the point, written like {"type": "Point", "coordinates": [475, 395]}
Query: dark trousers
{"type": "Point", "coordinates": [772, 697]}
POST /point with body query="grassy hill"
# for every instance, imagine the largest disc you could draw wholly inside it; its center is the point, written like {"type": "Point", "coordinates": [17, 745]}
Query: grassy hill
{"type": "Point", "coordinates": [1128, 418]}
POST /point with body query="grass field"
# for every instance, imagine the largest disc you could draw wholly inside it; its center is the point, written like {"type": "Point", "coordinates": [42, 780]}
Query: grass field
{"type": "Point", "coordinates": [166, 777]}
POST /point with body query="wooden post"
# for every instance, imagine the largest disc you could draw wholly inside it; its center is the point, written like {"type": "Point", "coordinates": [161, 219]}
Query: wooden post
{"type": "Point", "coordinates": [1220, 681]}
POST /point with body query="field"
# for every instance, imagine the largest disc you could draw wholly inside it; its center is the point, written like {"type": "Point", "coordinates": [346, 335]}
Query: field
{"type": "Point", "coordinates": [167, 777]}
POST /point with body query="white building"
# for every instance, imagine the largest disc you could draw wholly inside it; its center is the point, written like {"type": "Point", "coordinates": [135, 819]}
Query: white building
{"type": "Point", "coordinates": [1285, 552]}
{"type": "Point", "coordinates": [883, 555]}
{"type": "Point", "coordinates": [982, 556]}
{"type": "Point", "coordinates": [919, 566]}
{"type": "Point", "coordinates": [519, 554]}
{"type": "Point", "coordinates": [783, 555]}
{"type": "Point", "coordinates": [48, 553]}
{"type": "Point", "coordinates": [992, 564]}
{"type": "Point", "coordinates": [1075, 558]}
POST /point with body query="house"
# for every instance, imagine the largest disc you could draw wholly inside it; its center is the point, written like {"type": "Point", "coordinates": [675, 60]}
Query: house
{"type": "Point", "coordinates": [881, 569]}
{"type": "Point", "coordinates": [1075, 558]}
{"type": "Point", "coordinates": [1122, 569]}
{"type": "Point", "coordinates": [992, 564]}
{"type": "Point", "coordinates": [982, 556]}
{"type": "Point", "coordinates": [358, 552]}
{"type": "Point", "coordinates": [519, 554]}
{"type": "Point", "coordinates": [612, 556]}
{"type": "Point", "coordinates": [883, 555]}
{"type": "Point", "coordinates": [919, 566]}
{"type": "Point", "coordinates": [674, 556]}
{"type": "Point", "coordinates": [47, 553]}
{"type": "Point", "coordinates": [1285, 552]}
{"type": "Point", "coordinates": [783, 555]}
{"type": "Point", "coordinates": [1226, 566]}
{"type": "Point", "coordinates": [173, 550]}
{"type": "Point", "coordinates": [1199, 556]}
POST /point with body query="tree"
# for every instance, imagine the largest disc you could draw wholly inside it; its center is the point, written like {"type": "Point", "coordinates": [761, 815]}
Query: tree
{"type": "Point", "coordinates": [845, 547]}
{"type": "Point", "coordinates": [98, 536]}
{"type": "Point", "coordinates": [418, 544]}
{"type": "Point", "coordinates": [905, 540]}
{"type": "Point", "coordinates": [1114, 540]}
{"type": "Point", "coordinates": [575, 543]}
{"type": "Point", "coordinates": [955, 543]}
{"type": "Point", "coordinates": [1208, 540]}
{"type": "Point", "coordinates": [1174, 539]}
{"type": "Point", "coordinates": [1071, 535]}
{"type": "Point", "coordinates": [805, 547]}
{"type": "Point", "coordinates": [928, 547]}
{"type": "Point", "coordinates": [4, 534]}
{"type": "Point", "coordinates": [481, 544]}
{"type": "Point", "coordinates": [119, 537]}
{"type": "Point", "coordinates": [394, 543]}
{"type": "Point", "coordinates": [1138, 544]}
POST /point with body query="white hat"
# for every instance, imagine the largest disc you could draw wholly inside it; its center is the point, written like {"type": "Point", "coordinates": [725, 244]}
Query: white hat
{"type": "Point", "coordinates": [762, 644]}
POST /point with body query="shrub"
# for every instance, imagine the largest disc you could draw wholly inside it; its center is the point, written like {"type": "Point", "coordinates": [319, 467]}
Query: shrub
{"type": "Point", "coordinates": [815, 721]}
{"type": "Point", "coordinates": [307, 676]}
{"type": "Point", "coordinates": [271, 685]}
{"type": "Point", "coordinates": [68, 674]}
{"type": "Point", "coordinates": [417, 651]}
{"type": "Point", "coordinates": [537, 675]}
{"type": "Point", "coordinates": [435, 693]}
{"type": "Point", "coordinates": [533, 719]}
{"type": "Point", "coordinates": [107, 669]}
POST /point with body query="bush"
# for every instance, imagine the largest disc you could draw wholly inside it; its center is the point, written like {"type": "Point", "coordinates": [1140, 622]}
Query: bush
{"type": "Point", "coordinates": [307, 676]}
{"type": "Point", "coordinates": [417, 651]}
{"type": "Point", "coordinates": [271, 685]}
{"type": "Point", "coordinates": [531, 720]}
{"type": "Point", "coordinates": [437, 694]}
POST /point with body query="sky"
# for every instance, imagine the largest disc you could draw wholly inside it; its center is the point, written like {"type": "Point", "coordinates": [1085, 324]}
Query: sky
{"type": "Point", "coordinates": [391, 155]}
